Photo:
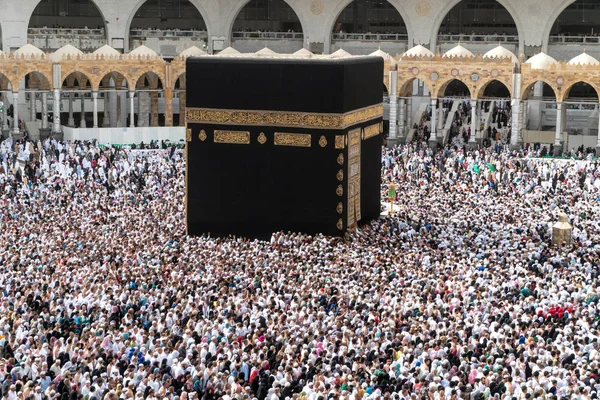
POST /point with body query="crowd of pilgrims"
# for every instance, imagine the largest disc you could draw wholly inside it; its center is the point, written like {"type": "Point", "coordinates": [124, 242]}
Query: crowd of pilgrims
{"type": "Point", "coordinates": [459, 294]}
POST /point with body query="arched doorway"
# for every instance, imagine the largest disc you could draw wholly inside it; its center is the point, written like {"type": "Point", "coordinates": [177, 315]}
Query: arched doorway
{"type": "Point", "coordinates": [148, 89]}
{"type": "Point", "coordinates": [54, 24]}
{"type": "Point", "coordinates": [36, 87]}
{"type": "Point", "coordinates": [582, 116]}
{"type": "Point", "coordinates": [114, 90]}
{"type": "Point", "coordinates": [273, 24]}
{"type": "Point", "coordinates": [168, 27]}
{"type": "Point", "coordinates": [76, 86]}
{"type": "Point", "coordinates": [415, 111]}
{"type": "Point", "coordinates": [454, 112]}
{"type": "Point", "coordinates": [483, 23]}
{"type": "Point", "coordinates": [494, 100]}
{"type": "Point", "coordinates": [179, 97]}
{"type": "Point", "coordinates": [541, 115]}
{"type": "Point", "coordinates": [376, 21]}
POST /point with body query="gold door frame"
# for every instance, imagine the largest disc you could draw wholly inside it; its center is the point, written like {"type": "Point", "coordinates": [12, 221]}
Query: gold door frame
{"type": "Point", "coordinates": [354, 214]}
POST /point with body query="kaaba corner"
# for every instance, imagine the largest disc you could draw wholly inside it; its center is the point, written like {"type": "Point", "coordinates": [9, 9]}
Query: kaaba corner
{"type": "Point", "coordinates": [278, 144]}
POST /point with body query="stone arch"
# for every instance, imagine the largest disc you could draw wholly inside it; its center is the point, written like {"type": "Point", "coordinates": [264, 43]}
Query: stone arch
{"type": "Point", "coordinates": [566, 91]}
{"type": "Point", "coordinates": [526, 87]}
{"type": "Point", "coordinates": [405, 85]}
{"type": "Point", "coordinates": [77, 80]}
{"type": "Point", "coordinates": [480, 93]}
{"type": "Point", "coordinates": [5, 83]}
{"type": "Point", "coordinates": [152, 78]}
{"type": "Point", "coordinates": [442, 86]}
{"type": "Point", "coordinates": [118, 77]}
{"type": "Point", "coordinates": [449, 5]}
{"type": "Point", "coordinates": [339, 8]}
{"type": "Point", "coordinates": [37, 3]}
{"type": "Point", "coordinates": [242, 4]}
{"type": "Point", "coordinates": [556, 11]}
{"type": "Point", "coordinates": [179, 82]}
{"type": "Point", "coordinates": [196, 3]}
{"type": "Point", "coordinates": [40, 77]}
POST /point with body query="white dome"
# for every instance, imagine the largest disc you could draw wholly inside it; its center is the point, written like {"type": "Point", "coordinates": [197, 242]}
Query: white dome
{"type": "Point", "coordinates": [541, 61]}
{"type": "Point", "coordinates": [303, 53]}
{"type": "Point", "coordinates": [29, 50]}
{"type": "Point", "coordinates": [500, 52]}
{"type": "Point", "coordinates": [228, 52]}
{"type": "Point", "coordinates": [193, 52]}
{"type": "Point", "coordinates": [265, 52]}
{"type": "Point", "coordinates": [418, 51]}
{"type": "Point", "coordinates": [65, 51]}
{"type": "Point", "coordinates": [458, 51]}
{"type": "Point", "coordinates": [143, 51]}
{"type": "Point", "coordinates": [341, 53]}
{"type": "Point", "coordinates": [382, 54]}
{"type": "Point", "coordinates": [106, 51]}
{"type": "Point", "coordinates": [584, 59]}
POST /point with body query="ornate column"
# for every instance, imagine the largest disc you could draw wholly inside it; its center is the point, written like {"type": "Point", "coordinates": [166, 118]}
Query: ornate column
{"type": "Point", "coordinates": [56, 108]}
{"type": "Point", "coordinates": [5, 127]}
{"type": "Point", "coordinates": [95, 99]}
{"type": "Point", "coordinates": [131, 110]}
{"type": "Point", "coordinates": [393, 117]}
{"type": "Point", "coordinates": [441, 115]}
{"type": "Point", "coordinates": [45, 110]}
{"type": "Point", "coordinates": [71, 121]}
{"type": "Point", "coordinates": [32, 109]}
{"type": "Point", "coordinates": [82, 123]}
{"type": "Point", "coordinates": [154, 108]}
{"type": "Point", "coordinates": [597, 142]}
{"type": "Point", "coordinates": [433, 137]}
{"type": "Point", "coordinates": [182, 107]}
{"type": "Point", "coordinates": [402, 119]}
{"type": "Point", "coordinates": [168, 107]}
{"type": "Point", "coordinates": [515, 126]}
{"type": "Point", "coordinates": [106, 115]}
{"type": "Point", "coordinates": [559, 125]}
{"type": "Point", "coordinates": [16, 113]}
{"type": "Point", "coordinates": [409, 112]}
{"type": "Point", "coordinates": [474, 121]}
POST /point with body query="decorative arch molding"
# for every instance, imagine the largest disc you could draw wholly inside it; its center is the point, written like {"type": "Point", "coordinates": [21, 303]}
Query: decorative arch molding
{"type": "Point", "coordinates": [335, 14]}
{"type": "Point", "coordinates": [568, 86]}
{"type": "Point", "coordinates": [556, 11]}
{"type": "Point", "coordinates": [140, 3]}
{"type": "Point", "coordinates": [527, 84]}
{"type": "Point", "coordinates": [444, 85]}
{"type": "Point", "coordinates": [450, 4]}
{"type": "Point", "coordinates": [405, 82]}
{"type": "Point", "coordinates": [239, 6]}
{"type": "Point", "coordinates": [94, 2]}
{"type": "Point", "coordinates": [505, 80]}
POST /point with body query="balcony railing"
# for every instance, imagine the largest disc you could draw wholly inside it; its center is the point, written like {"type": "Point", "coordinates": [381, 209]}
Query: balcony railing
{"type": "Point", "coordinates": [574, 39]}
{"type": "Point", "coordinates": [160, 33]}
{"type": "Point", "coordinates": [51, 39]}
{"type": "Point", "coordinates": [268, 35]}
{"type": "Point", "coordinates": [370, 37]}
{"type": "Point", "coordinates": [464, 38]}
{"type": "Point", "coordinates": [65, 32]}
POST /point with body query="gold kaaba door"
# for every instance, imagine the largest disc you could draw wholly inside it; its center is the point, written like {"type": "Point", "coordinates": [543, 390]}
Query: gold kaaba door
{"type": "Point", "coordinates": [353, 177]}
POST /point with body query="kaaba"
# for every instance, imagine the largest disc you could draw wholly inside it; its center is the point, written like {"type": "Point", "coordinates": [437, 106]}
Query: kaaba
{"type": "Point", "coordinates": [282, 144]}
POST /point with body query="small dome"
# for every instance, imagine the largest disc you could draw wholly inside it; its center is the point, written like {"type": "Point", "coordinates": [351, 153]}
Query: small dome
{"type": "Point", "coordinates": [584, 59]}
{"type": "Point", "coordinates": [143, 51]}
{"type": "Point", "coordinates": [382, 54]}
{"type": "Point", "coordinates": [265, 52]}
{"type": "Point", "coordinates": [29, 50]}
{"type": "Point", "coordinates": [418, 51]}
{"type": "Point", "coordinates": [193, 52]}
{"type": "Point", "coordinates": [500, 52]}
{"type": "Point", "coordinates": [458, 51]}
{"type": "Point", "coordinates": [341, 53]}
{"type": "Point", "coordinates": [541, 61]}
{"type": "Point", "coordinates": [106, 51]}
{"type": "Point", "coordinates": [65, 51]}
{"type": "Point", "coordinates": [230, 51]}
{"type": "Point", "coordinates": [303, 53]}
